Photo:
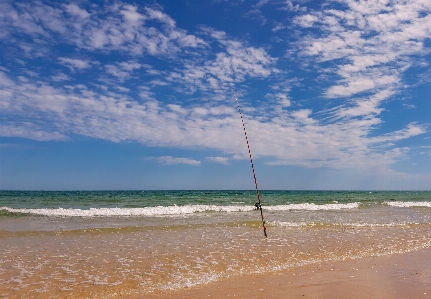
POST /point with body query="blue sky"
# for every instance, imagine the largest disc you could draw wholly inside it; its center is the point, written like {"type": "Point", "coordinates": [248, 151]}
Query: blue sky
{"type": "Point", "coordinates": [138, 95]}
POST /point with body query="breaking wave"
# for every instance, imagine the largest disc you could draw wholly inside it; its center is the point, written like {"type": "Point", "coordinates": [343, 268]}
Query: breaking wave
{"type": "Point", "coordinates": [170, 210]}
{"type": "Point", "coordinates": [313, 207]}
{"type": "Point", "coordinates": [408, 204]}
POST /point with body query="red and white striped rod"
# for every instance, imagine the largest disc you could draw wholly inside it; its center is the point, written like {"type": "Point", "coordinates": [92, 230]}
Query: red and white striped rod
{"type": "Point", "coordinates": [258, 205]}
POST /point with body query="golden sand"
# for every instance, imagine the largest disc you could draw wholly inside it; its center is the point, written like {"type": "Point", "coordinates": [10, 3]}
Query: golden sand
{"type": "Point", "coordinates": [212, 260]}
{"type": "Point", "coordinates": [398, 276]}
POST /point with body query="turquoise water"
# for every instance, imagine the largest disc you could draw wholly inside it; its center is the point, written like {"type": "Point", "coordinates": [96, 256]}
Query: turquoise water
{"type": "Point", "coordinates": [50, 210]}
{"type": "Point", "coordinates": [142, 199]}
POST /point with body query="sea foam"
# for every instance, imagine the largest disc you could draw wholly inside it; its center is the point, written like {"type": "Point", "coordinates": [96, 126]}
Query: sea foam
{"type": "Point", "coordinates": [313, 207]}
{"type": "Point", "coordinates": [147, 211]}
{"type": "Point", "coordinates": [408, 204]}
{"type": "Point", "coordinates": [172, 210]}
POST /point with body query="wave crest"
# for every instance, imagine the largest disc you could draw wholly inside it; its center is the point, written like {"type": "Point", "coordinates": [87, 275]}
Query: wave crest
{"type": "Point", "coordinates": [314, 207]}
{"type": "Point", "coordinates": [170, 210]}
{"type": "Point", "coordinates": [408, 204]}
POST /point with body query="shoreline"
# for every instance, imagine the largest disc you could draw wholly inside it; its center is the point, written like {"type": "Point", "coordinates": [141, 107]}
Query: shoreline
{"type": "Point", "coordinates": [401, 275]}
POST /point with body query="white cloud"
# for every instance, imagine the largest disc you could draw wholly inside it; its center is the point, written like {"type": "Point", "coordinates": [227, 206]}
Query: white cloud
{"type": "Point", "coordinates": [60, 77]}
{"type": "Point", "coordinates": [278, 26]}
{"type": "Point", "coordinates": [74, 10]}
{"type": "Point", "coordinates": [306, 20]}
{"type": "Point", "coordinates": [123, 70]}
{"type": "Point", "coordinates": [369, 36]}
{"type": "Point", "coordinates": [130, 65]}
{"type": "Point", "coordinates": [158, 15]}
{"type": "Point", "coordinates": [220, 160]}
{"type": "Point", "coordinates": [411, 130]}
{"type": "Point", "coordinates": [168, 160]}
{"type": "Point", "coordinates": [131, 14]}
{"type": "Point", "coordinates": [261, 3]}
{"type": "Point", "coordinates": [289, 6]}
{"type": "Point", "coordinates": [236, 63]}
{"type": "Point", "coordinates": [129, 33]}
{"type": "Point", "coordinates": [117, 72]}
{"type": "Point", "coordinates": [283, 100]}
{"type": "Point", "coordinates": [358, 84]}
{"type": "Point", "coordinates": [28, 130]}
{"type": "Point", "coordinates": [116, 27]}
{"type": "Point", "coordinates": [73, 64]}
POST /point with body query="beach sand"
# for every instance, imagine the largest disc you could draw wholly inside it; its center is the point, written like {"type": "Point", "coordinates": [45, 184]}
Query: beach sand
{"type": "Point", "coordinates": [319, 262]}
{"type": "Point", "coordinates": [374, 251]}
{"type": "Point", "coordinates": [406, 275]}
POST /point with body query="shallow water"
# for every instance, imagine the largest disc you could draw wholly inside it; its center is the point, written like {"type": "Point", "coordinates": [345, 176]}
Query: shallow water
{"type": "Point", "coordinates": [75, 255]}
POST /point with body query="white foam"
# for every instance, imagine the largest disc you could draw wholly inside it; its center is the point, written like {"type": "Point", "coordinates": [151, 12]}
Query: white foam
{"type": "Point", "coordinates": [288, 224]}
{"type": "Point", "coordinates": [314, 207]}
{"type": "Point", "coordinates": [358, 225]}
{"type": "Point", "coordinates": [173, 210]}
{"type": "Point", "coordinates": [148, 211]}
{"type": "Point", "coordinates": [408, 204]}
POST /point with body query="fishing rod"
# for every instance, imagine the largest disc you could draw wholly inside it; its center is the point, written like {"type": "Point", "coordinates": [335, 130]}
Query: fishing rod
{"type": "Point", "coordinates": [258, 204]}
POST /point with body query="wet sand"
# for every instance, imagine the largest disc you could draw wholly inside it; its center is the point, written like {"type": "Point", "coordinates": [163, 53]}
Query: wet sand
{"type": "Point", "coordinates": [406, 275]}
{"type": "Point", "coordinates": [369, 252]}
{"type": "Point", "coordinates": [219, 262]}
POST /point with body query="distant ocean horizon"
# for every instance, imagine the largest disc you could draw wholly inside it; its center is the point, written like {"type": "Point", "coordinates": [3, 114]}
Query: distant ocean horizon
{"type": "Point", "coordinates": [106, 244]}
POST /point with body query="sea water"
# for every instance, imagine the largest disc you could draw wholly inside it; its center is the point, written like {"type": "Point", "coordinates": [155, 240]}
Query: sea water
{"type": "Point", "coordinates": [107, 244]}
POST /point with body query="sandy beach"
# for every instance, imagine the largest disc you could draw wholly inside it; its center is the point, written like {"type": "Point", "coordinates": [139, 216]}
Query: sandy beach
{"type": "Point", "coordinates": [397, 276]}
{"type": "Point", "coordinates": [368, 247]}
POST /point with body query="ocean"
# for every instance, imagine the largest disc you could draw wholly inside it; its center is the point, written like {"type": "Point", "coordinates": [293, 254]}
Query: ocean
{"type": "Point", "coordinates": [108, 244]}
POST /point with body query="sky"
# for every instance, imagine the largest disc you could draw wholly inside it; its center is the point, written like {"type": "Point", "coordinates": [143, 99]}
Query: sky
{"type": "Point", "coordinates": [103, 95]}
